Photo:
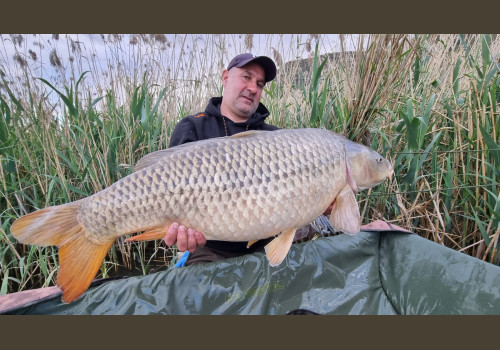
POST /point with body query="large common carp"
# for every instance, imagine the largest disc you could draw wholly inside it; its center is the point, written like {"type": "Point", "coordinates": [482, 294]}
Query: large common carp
{"type": "Point", "coordinates": [249, 186]}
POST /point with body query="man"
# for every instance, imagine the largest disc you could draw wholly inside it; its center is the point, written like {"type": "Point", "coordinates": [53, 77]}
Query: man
{"type": "Point", "coordinates": [238, 110]}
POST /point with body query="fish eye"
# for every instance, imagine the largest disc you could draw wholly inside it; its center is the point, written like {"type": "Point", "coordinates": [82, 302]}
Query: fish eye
{"type": "Point", "coordinates": [379, 159]}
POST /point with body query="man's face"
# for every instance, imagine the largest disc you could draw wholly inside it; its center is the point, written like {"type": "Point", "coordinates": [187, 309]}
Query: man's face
{"type": "Point", "coordinates": [242, 90]}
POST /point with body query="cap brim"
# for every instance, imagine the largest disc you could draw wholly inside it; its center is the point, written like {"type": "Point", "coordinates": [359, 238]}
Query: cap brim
{"type": "Point", "coordinates": [265, 62]}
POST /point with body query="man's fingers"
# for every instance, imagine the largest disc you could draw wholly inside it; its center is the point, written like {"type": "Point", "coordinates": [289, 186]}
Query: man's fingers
{"type": "Point", "coordinates": [200, 238]}
{"type": "Point", "coordinates": [182, 239]}
{"type": "Point", "coordinates": [186, 238]}
{"type": "Point", "coordinates": [191, 240]}
{"type": "Point", "coordinates": [171, 235]}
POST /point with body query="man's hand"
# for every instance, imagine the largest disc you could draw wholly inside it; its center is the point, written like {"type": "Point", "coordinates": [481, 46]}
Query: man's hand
{"type": "Point", "coordinates": [186, 238]}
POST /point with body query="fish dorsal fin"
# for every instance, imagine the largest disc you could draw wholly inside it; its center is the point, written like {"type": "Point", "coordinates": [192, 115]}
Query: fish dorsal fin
{"type": "Point", "coordinates": [155, 157]}
{"type": "Point", "coordinates": [249, 133]}
{"type": "Point", "coordinates": [151, 158]}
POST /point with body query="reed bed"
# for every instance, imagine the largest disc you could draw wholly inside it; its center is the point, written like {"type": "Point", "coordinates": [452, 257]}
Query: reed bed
{"type": "Point", "coordinates": [77, 114]}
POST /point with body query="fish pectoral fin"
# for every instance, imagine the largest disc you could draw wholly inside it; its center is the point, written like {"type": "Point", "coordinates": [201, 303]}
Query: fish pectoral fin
{"type": "Point", "coordinates": [251, 242]}
{"type": "Point", "coordinates": [345, 215]}
{"type": "Point", "coordinates": [278, 248]}
{"type": "Point", "coordinates": [155, 233]}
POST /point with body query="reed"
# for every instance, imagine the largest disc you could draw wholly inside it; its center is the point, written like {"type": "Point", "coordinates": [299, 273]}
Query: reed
{"type": "Point", "coordinates": [74, 121]}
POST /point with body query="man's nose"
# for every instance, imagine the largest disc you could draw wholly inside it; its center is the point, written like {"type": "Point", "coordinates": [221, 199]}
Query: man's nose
{"type": "Point", "coordinates": [252, 86]}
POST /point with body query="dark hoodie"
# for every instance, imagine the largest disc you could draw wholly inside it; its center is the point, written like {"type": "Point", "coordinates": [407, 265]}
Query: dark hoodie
{"type": "Point", "coordinates": [210, 124]}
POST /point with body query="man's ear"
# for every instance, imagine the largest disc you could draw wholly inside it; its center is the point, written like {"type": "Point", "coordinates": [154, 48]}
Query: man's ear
{"type": "Point", "coordinates": [225, 76]}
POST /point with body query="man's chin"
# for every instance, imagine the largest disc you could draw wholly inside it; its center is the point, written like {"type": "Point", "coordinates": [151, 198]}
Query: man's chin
{"type": "Point", "coordinates": [247, 109]}
{"type": "Point", "coordinates": [246, 112]}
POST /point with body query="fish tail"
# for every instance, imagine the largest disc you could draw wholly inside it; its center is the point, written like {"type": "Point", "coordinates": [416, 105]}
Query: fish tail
{"type": "Point", "coordinates": [79, 258]}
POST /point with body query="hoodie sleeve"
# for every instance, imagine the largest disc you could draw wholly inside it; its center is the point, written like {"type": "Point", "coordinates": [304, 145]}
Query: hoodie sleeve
{"type": "Point", "coordinates": [184, 132]}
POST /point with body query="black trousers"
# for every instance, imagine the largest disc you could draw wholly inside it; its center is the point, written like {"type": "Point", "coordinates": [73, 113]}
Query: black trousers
{"type": "Point", "coordinates": [207, 254]}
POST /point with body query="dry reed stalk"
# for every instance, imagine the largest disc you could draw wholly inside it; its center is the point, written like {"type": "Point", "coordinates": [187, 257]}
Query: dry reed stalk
{"type": "Point", "coordinates": [492, 116]}
{"type": "Point", "coordinates": [493, 243]}
{"type": "Point", "coordinates": [3, 180]}
{"type": "Point", "coordinates": [495, 249]}
{"type": "Point", "coordinates": [435, 200]}
{"type": "Point", "coordinates": [11, 246]}
{"type": "Point", "coordinates": [363, 212]}
{"type": "Point", "coordinates": [433, 229]}
{"type": "Point", "coordinates": [494, 237]}
{"type": "Point", "coordinates": [481, 161]}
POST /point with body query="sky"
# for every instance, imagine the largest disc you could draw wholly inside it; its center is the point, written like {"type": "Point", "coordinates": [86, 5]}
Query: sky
{"type": "Point", "coordinates": [62, 58]}
{"type": "Point", "coordinates": [43, 44]}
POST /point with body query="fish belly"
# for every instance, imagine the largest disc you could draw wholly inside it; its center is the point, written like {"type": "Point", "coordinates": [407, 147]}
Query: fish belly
{"type": "Point", "coordinates": [233, 189]}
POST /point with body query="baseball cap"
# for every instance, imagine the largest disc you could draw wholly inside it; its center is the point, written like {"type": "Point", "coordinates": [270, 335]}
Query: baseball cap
{"type": "Point", "coordinates": [264, 61]}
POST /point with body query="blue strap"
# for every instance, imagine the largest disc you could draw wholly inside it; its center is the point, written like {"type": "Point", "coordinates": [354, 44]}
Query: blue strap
{"type": "Point", "coordinates": [182, 260]}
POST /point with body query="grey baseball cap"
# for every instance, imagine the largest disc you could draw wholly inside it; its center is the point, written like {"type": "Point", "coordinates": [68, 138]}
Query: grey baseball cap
{"type": "Point", "coordinates": [265, 62]}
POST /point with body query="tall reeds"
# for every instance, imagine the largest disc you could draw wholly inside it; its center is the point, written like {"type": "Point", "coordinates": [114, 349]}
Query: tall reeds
{"type": "Point", "coordinates": [73, 122]}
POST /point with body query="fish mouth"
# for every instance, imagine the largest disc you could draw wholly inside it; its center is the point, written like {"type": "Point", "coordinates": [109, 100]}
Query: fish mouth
{"type": "Point", "coordinates": [391, 172]}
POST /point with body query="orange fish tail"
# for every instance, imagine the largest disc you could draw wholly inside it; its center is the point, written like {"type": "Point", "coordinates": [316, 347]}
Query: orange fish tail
{"type": "Point", "coordinates": [79, 261]}
{"type": "Point", "coordinates": [49, 226]}
{"type": "Point", "coordinates": [79, 258]}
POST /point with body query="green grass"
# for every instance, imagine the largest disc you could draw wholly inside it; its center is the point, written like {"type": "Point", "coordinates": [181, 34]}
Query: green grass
{"type": "Point", "coordinates": [429, 103]}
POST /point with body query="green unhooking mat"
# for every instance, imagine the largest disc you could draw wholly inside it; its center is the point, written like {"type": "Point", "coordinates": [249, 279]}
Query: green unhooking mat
{"type": "Point", "coordinates": [371, 273]}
